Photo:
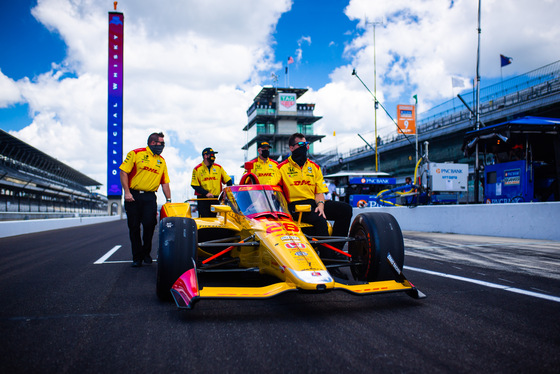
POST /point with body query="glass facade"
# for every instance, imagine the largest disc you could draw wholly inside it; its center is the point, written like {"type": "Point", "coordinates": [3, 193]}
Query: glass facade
{"type": "Point", "coordinates": [305, 129]}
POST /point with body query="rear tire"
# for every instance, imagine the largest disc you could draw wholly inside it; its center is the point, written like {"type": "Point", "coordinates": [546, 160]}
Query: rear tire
{"type": "Point", "coordinates": [178, 243]}
{"type": "Point", "coordinates": [377, 235]}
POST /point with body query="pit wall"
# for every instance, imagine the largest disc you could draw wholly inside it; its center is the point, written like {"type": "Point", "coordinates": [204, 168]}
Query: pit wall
{"type": "Point", "coordinates": [524, 220]}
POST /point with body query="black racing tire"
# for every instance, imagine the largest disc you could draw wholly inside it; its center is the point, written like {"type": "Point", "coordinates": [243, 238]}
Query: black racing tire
{"type": "Point", "coordinates": [377, 235]}
{"type": "Point", "coordinates": [178, 241]}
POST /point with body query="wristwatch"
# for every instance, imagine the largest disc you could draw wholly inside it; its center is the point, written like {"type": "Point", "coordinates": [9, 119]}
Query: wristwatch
{"type": "Point", "coordinates": [168, 200]}
{"type": "Point", "coordinates": [320, 202]}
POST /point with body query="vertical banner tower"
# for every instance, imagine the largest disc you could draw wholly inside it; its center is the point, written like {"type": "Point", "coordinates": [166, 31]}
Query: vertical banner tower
{"type": "Point", "coordinates": [115, 111]}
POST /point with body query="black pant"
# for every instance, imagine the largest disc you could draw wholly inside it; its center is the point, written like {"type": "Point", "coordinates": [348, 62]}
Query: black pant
{"type": "Point", "coordinates": [142, 211]}
{"type": "Point", "coordinates": [203, 207]}
{"type": "Point", "coordinates": [337, 211]}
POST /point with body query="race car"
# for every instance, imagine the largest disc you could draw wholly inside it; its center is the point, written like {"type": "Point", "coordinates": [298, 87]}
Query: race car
{"type": "Point", "coordinates": [254, 233]}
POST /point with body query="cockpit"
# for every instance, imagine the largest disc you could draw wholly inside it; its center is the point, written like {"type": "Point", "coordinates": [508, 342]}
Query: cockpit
{"type": "Point", "coordinates": [255, 200]}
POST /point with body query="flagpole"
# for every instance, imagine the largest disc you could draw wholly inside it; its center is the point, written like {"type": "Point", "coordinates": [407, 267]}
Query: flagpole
{"type": "Point", "coordinates": [502, 78]}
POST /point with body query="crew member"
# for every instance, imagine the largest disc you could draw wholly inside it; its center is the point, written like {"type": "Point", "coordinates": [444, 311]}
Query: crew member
{"type": "Point", "coordinates": [262, 167]}
{"type": "Point", "coordinates": [141, 174]}
{"type": "Point", "coordinates": [302, 183]}
{"type": "Point", "coordinates": [207, 180]}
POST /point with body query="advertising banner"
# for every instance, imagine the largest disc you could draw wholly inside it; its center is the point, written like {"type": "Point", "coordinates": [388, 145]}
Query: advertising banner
{"type": "Point", "coordinates": [115, 104]}
{"type": "Point", "coordinates": [406, 119]}
{"type": "Point", "coordinates": [287, 102]}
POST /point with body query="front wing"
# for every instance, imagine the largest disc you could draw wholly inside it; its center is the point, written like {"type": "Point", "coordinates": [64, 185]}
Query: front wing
{"type": "Point", "coordinates": [186, 290]}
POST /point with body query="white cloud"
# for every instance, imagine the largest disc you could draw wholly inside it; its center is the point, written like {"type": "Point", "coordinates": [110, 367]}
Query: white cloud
{"type": "Point", "coordinates": [9, 91]}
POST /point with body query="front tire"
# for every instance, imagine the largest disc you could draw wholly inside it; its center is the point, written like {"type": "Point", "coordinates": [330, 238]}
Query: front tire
{"type": "Point", "coordinates": [178, 241]}
{"type": "Point", "coordinates": [377, 235]}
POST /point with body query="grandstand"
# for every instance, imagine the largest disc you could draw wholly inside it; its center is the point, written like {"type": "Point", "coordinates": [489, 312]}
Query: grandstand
{"type": "Point", "coordinates": [34, 185]}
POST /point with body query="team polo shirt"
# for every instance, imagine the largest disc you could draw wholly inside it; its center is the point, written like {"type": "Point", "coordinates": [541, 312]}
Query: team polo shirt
{"type": "Point", "coordinates": [264, 170]}
{"type": "Point", "coordinates": [300, 183]}
{"type": "Point", "coordinates": [211, 180]}
{"type": "Point", "coordinates": [146, 171]}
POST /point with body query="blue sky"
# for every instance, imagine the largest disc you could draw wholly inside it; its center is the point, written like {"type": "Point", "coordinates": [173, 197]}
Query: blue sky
{"type": "Point", "coordinates": [193, 67]}
{"type": "Point", "coordinates": [321, 31]}
{"type": "Point", "coordinates": [28, 51]}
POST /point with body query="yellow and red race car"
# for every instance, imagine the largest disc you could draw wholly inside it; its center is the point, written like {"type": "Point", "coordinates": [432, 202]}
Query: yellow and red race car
{"type": "Point", "coordinates": [254, 232]}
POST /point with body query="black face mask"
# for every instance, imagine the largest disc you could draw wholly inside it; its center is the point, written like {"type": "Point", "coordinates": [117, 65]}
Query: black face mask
{"type": "Point", "coordinates": [265, 153]}
{"type": "Point", "coordinates": [211, 159]}
{"type": "Point", "coordinates": [156, 149]}
{"type": "Point", "coordinates": [299, 155]}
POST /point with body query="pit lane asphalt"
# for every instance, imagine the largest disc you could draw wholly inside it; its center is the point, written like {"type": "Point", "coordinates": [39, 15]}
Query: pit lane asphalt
{"type": "Point", "coordinates": [61, 313]}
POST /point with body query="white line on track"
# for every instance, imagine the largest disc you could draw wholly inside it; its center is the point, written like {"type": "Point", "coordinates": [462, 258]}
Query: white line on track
{"type": "Point", "coordinates": [487, 284]}
{"type": "Point", "coordinates": [108, 254]}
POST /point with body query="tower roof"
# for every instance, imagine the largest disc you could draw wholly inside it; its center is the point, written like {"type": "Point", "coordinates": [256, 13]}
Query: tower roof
{"type": "Point", "coordinates": [267, 94]}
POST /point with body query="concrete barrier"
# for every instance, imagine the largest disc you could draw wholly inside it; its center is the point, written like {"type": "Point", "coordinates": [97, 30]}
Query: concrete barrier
{"type": "Point", "coordinates": [13, 228]}
{"type": "Point", "coordinates": [525, 220]}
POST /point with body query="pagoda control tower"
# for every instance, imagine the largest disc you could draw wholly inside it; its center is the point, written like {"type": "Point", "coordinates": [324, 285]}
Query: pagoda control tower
{"type": "Point", "coordinates": [274, 116]}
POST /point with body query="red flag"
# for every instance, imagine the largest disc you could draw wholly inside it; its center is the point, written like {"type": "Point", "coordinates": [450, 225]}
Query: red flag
{"type": "Point", "coordinates": [290, 60]}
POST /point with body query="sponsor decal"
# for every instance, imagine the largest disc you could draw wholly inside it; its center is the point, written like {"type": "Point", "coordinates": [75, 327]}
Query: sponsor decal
{"type": "Point", "coordinates": [295, 245]}
{"type": "Point", "coordinates": [150, 169]}
{"type": "Point", "coordinates": [361, 180]}
{"type": "Point", "coordinates": [290, 237]}
{"type": "Point", "coordinates": [302, 183]}
{"type": "Point", "coordinates": [449, 171]}
{"type": "Point", "coordinates": [301, 253]}
{"type": "Point", "coordinates": [115, 102]}
{"type": "Point", "coordinates": [292, 171]}
{"type": "Point", "coordinates": [512, 177]}
{"type": "Point", "coordinates": [288, 100]}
